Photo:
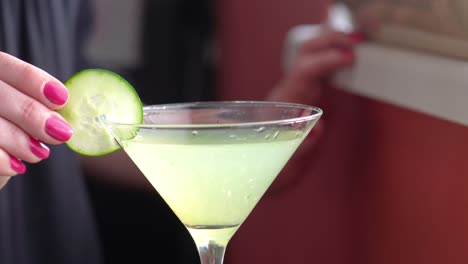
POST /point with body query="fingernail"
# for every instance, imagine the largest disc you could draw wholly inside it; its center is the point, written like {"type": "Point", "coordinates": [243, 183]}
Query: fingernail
{"type": "Point", "coordinates": [55, 93]}
{"type": "Point", "coordinates": [58, 129]}
{"type": "Point", "coordinates": [17, 165]}
{"type": "Point", "coordinates": [357, 37]}
{"type": "Point", "coordinates": [38, 148]}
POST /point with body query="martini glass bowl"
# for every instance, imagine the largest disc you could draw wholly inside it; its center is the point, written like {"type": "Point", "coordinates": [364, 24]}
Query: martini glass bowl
{"type": "Point", "coordinates": [212, 161]}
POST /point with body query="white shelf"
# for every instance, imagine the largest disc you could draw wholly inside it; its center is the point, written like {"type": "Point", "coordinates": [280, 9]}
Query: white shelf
{"type": "Point", "coordinates": [434, 85]}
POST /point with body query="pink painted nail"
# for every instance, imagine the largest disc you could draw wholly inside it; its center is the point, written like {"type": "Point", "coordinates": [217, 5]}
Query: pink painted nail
{"type": "Point", "coordinates": [17, 165]}
{"type": "Point", "coordinates": [55, 93]}
{"type": "Point", "coordinates": [58, 129]}
{"type": "Point", "coordinates": [38, 148]}
{"type": "Point", "coordinates": [357, 37]}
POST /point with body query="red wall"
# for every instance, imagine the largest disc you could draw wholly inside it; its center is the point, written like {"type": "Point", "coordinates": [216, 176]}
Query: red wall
{"type": "Point", "coordinates": [385, 185]}
{"type": "Point", "coordinates": [417, 188]}
{"type": "Point", "coordinates": [251, 35]}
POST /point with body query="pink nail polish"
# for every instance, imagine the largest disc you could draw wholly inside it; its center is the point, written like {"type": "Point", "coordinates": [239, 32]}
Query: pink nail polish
{"type": "Point", "coordinates": [55, 93]}
{"type": "Point", "coordinates": [17, 165]}
{"type": "Point", "coordinates": [38, 148]}
{"type": "Point", "coordinates": [58, 129]}
{"type": "Point", "coordinates": [357, 37]}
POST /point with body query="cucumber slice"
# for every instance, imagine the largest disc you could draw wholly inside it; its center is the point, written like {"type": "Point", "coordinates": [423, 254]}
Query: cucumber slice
{"type": "Point", "coordinates": [94, 94]}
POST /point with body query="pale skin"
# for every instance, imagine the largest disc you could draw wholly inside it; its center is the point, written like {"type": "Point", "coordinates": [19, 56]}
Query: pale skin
{"type": "Point", "coordinates": [24, 111]}
{"type": "Point", "coordinates": [25, 131]}
{"type": "Point", "coordinates": [26, 107]}
{"type": "Point", "coordinates": [318, 59]}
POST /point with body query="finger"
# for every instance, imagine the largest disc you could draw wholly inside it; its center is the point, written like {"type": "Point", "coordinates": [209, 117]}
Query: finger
{"type": "Point", "coordinates": [3, 181]}
{"type": "Point", "coordinates": [358, 37]}
{"type": "Point", "coordinates": [10, 165]}
{"type": "Point", "coordinates": [32, 81]}
{"type": "Point", "coordinates": [318, 65]}
{"type": "Point", "coordinates": [33, 117]}
{"type": "Point", "coordinates": [303, 83]}
{"type": "Point", "coordinates": [19, 144]}
{"type": "Point", "coordinates": [328, 39]}
{"type": "Point", "coordinates": [369, 20]}
{"type": "Point", "coordinates": [296, 91]}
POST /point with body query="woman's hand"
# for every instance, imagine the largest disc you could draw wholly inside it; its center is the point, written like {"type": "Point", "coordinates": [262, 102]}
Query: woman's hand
{"type": "Point", "coordinates": [28, 98]}
{"type": "Point", "coordinates": [317, 60]}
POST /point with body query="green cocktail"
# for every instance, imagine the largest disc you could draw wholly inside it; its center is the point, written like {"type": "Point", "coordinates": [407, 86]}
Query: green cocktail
{"type": "Point", "coordinates": [212, 162]}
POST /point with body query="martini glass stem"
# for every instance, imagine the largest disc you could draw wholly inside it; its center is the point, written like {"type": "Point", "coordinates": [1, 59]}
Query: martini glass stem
{"type": "Point", "coordinates": [211, 252]}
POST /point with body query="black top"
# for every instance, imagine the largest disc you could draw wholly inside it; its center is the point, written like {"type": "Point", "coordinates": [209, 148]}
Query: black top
{"type": "Point", "coordinates": [45, 215]}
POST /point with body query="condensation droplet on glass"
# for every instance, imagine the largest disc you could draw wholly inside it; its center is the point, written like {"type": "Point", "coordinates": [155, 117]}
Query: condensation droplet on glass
{"type": "Point", "coordinates": [251, 184]}
{"type": "Point", "coordinates": [298, 134]}
{"type": "Point", "coordinates": [260, 129]}
{"type": "Point", "coordinates": [194, 132]}
{"type": "Point", "coordinates": [275, 136]}
{"type": "Point", "coordinates": [267, 136]}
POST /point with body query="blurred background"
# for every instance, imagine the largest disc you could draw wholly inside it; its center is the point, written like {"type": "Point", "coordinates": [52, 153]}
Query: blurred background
{"type": "Point", "coordinates": [165, 49]}
{"type": "Point", "coordinates": [388, 184]}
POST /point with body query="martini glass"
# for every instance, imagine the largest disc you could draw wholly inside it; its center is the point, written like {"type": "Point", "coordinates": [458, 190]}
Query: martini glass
{"type": "Point", "coordinates": [212, 161]}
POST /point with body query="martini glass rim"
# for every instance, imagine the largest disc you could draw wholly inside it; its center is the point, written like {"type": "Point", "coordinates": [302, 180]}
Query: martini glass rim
{"type": "Point", "coordinates": [316, 112]}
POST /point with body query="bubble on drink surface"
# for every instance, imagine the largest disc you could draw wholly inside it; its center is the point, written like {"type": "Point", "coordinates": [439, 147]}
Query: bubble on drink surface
{"type": "Point", "coordinates": [251, 199]}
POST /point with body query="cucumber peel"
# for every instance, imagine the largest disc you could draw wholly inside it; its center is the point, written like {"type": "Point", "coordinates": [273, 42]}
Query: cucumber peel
{"type": "Point", "coordinates": [97, 94]}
